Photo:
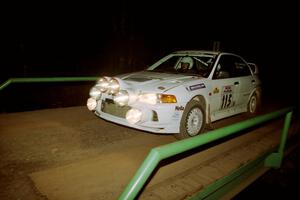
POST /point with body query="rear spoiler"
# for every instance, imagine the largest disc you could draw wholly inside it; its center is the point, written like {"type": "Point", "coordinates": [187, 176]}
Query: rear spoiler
{"type": "Point", "coordinates": [253, 67]}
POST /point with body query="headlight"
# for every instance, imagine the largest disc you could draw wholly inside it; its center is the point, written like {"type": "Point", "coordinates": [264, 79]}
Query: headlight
{"type": "Point", "coordinates": [102, 84]}
{"type": "Point", "coordinates": [113, 86]}
{"type": "Point", "coordinates": [95, 92]}
{"type": "Point", "coordinates": [150, 98]}
{"type": "Point", "coordinates": [122, 98]}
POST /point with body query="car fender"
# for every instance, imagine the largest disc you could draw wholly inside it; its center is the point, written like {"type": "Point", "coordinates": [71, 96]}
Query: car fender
{"type": "Point", "coordinates": [199, 93]}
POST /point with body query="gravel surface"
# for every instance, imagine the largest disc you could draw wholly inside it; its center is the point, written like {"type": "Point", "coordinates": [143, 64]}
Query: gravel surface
{"type": "Point", "coordinates": [45, 139]}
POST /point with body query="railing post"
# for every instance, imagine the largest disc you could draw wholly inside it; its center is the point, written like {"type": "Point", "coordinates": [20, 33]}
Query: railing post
{"type": "Point", "coordinates": [5, 84]}
{"type": "Point", "coordinates": [141, 176]}
{"type": "Point", "coordinates": [275, 159]}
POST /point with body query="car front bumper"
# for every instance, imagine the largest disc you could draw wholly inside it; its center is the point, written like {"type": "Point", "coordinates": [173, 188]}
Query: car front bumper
{"type": "Point", "coordinates": [163, 118]}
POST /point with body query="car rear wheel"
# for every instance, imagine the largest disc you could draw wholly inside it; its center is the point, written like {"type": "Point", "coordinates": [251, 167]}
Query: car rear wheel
{"type": "Point", "coordinates": [193, 120]}
{"type": "Point", "coordinates": [253, 104]}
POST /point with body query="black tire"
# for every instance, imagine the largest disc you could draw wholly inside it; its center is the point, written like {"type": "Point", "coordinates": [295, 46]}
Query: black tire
{"type": "Point", "coordinates": [192, 121]}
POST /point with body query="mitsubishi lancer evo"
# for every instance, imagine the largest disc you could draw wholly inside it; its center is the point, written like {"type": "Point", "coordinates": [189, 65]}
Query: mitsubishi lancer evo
{"type": "Point", "coordinates": [181, 94]}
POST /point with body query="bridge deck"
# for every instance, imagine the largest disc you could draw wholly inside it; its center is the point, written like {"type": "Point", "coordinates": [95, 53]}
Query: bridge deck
{"type": "Point", "coordinates": [68, 153]}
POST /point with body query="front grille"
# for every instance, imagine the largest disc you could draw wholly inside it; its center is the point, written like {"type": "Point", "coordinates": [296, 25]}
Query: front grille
{"type": "Point", "coordinates": [110, 107]}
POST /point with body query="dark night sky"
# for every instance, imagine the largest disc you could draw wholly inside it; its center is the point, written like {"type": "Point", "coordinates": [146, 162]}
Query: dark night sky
{"type": "Point", "coordinates": [73, 39]}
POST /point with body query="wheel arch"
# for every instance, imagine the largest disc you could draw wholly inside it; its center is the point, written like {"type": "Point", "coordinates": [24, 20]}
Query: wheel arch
{"type": "Point", "coordinates": [257, 91]}
{"type": "Point", "coordinates": [204, 102]}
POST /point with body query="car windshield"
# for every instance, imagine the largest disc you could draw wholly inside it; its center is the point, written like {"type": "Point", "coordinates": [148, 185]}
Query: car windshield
{"type": "Point", "coordinates": [189, 65]}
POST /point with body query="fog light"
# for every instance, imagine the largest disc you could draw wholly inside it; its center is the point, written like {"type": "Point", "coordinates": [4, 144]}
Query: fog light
{"type": "Point", "coordinates": [91, 104]}
{"type": "Point", "coordinates": [133, 116]}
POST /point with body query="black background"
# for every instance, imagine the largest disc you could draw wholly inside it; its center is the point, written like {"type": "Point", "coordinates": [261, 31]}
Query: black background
{"type": "Point", "coordinates": [113, 37]}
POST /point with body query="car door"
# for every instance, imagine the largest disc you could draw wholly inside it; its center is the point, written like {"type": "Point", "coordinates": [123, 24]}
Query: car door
{"type": "Point", "coordinates": [247, 82]}
{"type": "Point", "coordinates": [225, 88]}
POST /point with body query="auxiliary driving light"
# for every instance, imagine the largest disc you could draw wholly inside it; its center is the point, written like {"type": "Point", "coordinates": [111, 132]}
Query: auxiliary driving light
{"type": "Point", "coordinates": [113, 86]}
{"type": "Point", "coordinates": [102, 84]}
{"type": "Point", "coordinates": [95, 92]}
{"type": "Point", "coordinates": [91, 104]}
{"type": "Point", "coordinates": [122, 98]}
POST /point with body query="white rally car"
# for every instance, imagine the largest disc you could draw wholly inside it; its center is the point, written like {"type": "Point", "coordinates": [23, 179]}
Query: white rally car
{"type": "Point", "coordinates": [181, 93]}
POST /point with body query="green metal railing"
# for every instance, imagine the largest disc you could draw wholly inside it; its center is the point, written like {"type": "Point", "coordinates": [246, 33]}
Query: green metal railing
{"type": "Point", "coordinates": [162, 152]}
{"type": "Point", "coordinates": [45, 79]}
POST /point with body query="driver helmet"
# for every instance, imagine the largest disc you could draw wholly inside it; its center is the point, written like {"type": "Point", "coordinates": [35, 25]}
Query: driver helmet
{"type": "Point", "coordinates": [187, 60]}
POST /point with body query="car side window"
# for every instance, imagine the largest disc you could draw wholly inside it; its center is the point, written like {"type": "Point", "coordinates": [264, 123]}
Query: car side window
{"type": "Point", "coordinates": [241, 68]}
{"type": "Point", "coordinates": [231, 66]}
{"type": "Point", "coordinates": [225, 68]}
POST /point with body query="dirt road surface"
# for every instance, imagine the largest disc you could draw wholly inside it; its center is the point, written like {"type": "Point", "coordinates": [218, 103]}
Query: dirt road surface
{"type": "Point", "coordinates": [69, 153]}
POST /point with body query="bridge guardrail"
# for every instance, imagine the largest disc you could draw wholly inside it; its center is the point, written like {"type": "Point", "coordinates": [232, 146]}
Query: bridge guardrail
{"type": "Point", "coordinates": [45, 79]}
{"type": "Point", "coordinates": [165, 151]}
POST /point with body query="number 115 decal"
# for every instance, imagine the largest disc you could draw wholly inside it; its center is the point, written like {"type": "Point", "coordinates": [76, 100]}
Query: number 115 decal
{"type": "Point", "coordinates": [227, 97]}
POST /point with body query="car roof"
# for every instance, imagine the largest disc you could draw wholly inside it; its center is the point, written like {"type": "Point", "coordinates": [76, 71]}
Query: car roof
{"type": "Point", "coordinates": [197, 52]}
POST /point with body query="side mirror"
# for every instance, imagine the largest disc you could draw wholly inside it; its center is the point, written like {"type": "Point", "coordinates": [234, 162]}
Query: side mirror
{"type": "Point", "coordinates": [253, 67]}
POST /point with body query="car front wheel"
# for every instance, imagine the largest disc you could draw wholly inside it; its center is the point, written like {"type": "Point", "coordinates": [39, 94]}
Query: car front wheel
{"type": "Point", "coordinates": [193, 120]}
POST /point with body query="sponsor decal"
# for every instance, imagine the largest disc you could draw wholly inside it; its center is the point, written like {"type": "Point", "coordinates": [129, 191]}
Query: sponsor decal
{"type": "Point", "coordinates": [216, 90]}
{"type": "Point", "coordinates": [179, 108]}
{"type": "Point", "coordinates": [227, 89]}
{"type": "Point", "coordinates": [227, 97]}
{"type": "Point", "coordinates": [196, 87]}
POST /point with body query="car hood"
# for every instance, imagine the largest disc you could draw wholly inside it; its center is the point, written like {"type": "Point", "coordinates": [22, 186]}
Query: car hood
{"type": "Point", "coordinates": [155, 81]}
